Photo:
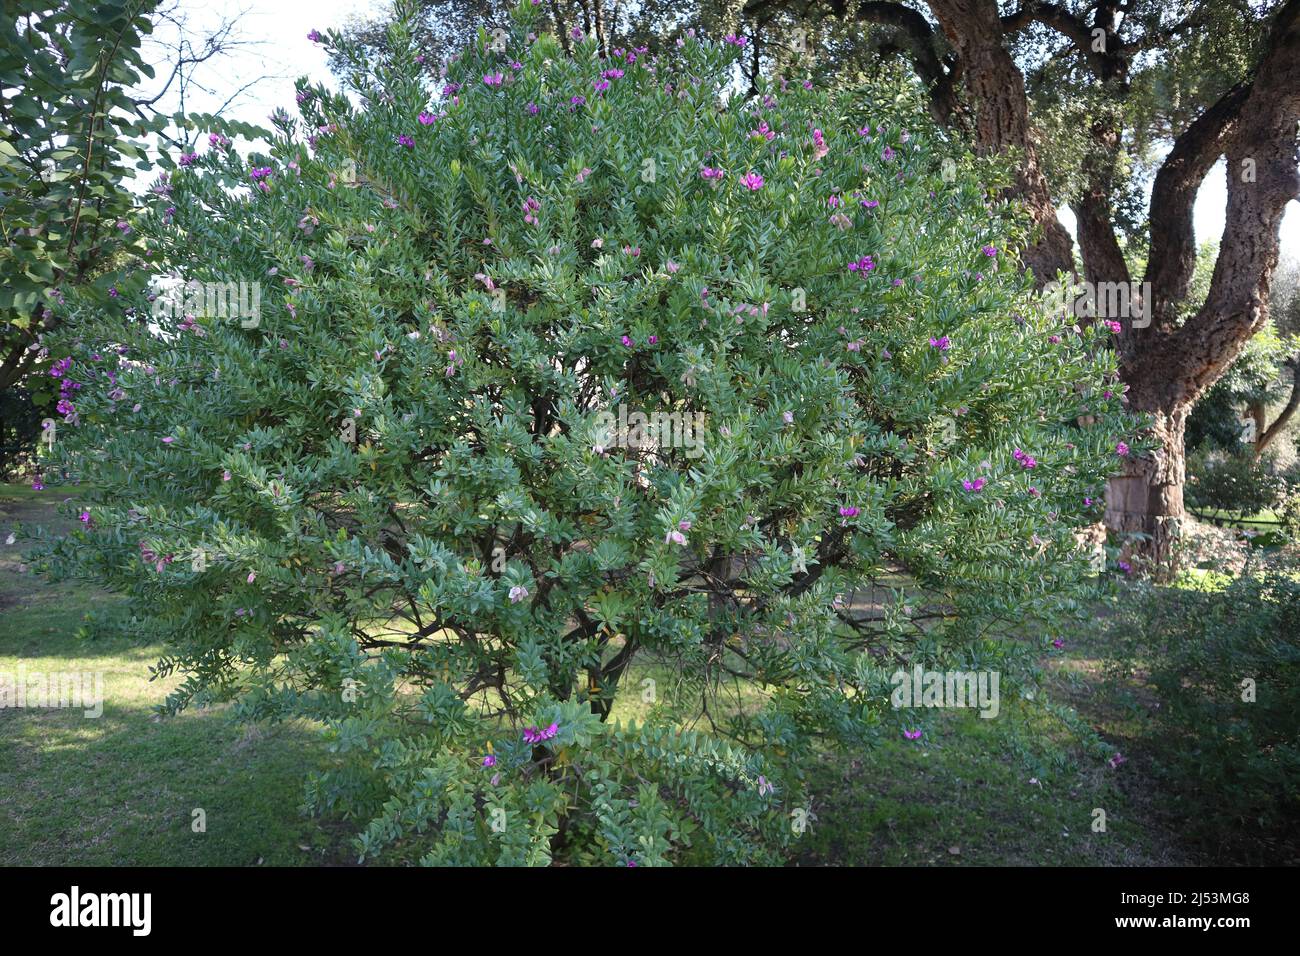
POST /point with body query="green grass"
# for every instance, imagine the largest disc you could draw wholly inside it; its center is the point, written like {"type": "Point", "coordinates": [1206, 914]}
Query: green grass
{"type": "Point", "coordinates": [121, 789]}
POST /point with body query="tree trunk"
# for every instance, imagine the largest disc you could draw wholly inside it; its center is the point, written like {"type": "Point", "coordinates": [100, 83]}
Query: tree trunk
{"type": "Point", "coordinates": [997, 90]}
{"type": "Point", "coordinates": [1147, 498]}
{"type": "Point", "coordinates": [1267, 435]}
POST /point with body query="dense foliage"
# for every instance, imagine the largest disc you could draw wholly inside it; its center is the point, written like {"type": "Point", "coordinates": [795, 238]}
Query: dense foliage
{"type": "Point", "coordinates": [390, 500]}
{"type": "Point", "coordinates": [70, 138]}
{"type": "Point", "coordinates": [1234, 482]}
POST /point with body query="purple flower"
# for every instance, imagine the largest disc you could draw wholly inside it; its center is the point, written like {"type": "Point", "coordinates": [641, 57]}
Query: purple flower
{"type": "Point", "coordinates": [912, 734]}
{"type": "Point", "coordinates": [753, 180]}
{"type": "Point", "coordinates": [848, 512]}
{"type": "Point", "coordinates": [1026, 461]}
{"type": "Point", "coordinates": [518, 593]}
{"type": "Point", "coordinates": [38, 484]}
{"type": "Point", "coordinates": [490, 760]}
{"type": "Point", "coordinates": [975, 484]}
{"type": "Point", "coordinates": [864, 265]}
{"type": "Point", "coordinates": [990, 251]}
{"type": "Point", "coordinates": [493, 79]}
{"type": "Point", "coordinates": [942, 343]}
{"type": "Point", "coordinates": [426, 118]}
{"type": "Point", "coordinates": [534, 736]}
{"type": "Point", "coordinates": [314, 36]}
{"type": "Point", "coordinates": [708, 172]}
{"type": "Point", "coordinates": [1121, 449]}
{"type": "Point", "coordinates": [1058, 643]}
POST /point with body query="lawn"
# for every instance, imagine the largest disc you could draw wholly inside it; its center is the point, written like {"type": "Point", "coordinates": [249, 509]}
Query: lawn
{"type": "Point", "coordinates": [123, 788]}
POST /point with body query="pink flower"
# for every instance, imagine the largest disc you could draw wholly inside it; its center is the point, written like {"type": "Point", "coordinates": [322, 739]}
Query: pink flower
{"type": "Point", "coordinates": [753, 180]}
{"type": "Point", "coordinates": [1058, 643]}
{"type": "Point", "coordinates": [1121, 449]}
{"type": "Point", "coordinates": [863, 264]}
{"type": "Point", "coordinates": [535, 736]}
{"type": "Point", "coordinates": [708, 172]}
{"type": "Point", "coordinates": [1116, 760]}
{"type": "Point", "coordinates": [942, 343]}
{"type": "Point", "coordinates": [820, 149]}
{"type": "Point", "coordinates": [912, 734]}
{"type": "Point", "coordinates": [493, 79]}
{"type": "Point", "coordinates": [848, 512]}
{"type": "Point", "coordinates": [252, 576]}
{"type": "Point", "coordinates": [973, 484]}
{"type": "Point", "coordinates": [1026, 461]}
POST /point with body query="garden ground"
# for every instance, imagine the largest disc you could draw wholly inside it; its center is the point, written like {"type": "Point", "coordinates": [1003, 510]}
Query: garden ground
{"type": "Point", "coordinates": [124, 789]}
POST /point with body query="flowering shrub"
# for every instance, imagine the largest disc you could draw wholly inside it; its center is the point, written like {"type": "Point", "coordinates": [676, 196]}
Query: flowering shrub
{"type": "Point", "coordinates": [598, 445]}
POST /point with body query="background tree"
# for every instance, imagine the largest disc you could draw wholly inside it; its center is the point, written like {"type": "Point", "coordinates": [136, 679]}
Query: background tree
{"type": "Point", "coordinates": [81, 110]}
{"type": "Point", "coordinates": [1209, 79]}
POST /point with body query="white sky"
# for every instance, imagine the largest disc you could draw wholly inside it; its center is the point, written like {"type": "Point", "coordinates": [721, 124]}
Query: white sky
{"type": "Point", "coordinates": [279, 49]}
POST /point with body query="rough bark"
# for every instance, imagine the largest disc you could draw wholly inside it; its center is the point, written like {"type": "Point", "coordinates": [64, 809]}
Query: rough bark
{"type": "Point", "coordinates": [1144, 504]}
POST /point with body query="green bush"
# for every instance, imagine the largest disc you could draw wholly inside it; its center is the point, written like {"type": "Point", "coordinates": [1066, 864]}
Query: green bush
{"type": "Point", "coordinates": [1231, 765]}
{"type": "Point", "coordinates": [393, 501]}
{"type": "Point", "coordinates": [1233, 482]}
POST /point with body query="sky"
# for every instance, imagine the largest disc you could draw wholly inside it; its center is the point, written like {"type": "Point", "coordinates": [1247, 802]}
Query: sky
{"type": "Point", "coordinates": [278, 51]}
